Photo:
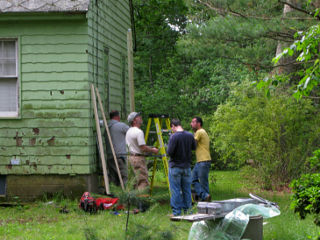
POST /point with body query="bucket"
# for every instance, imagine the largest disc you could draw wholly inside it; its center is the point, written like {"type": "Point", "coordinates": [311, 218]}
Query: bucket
{"type": "Point", "coordinates": [254, 229]}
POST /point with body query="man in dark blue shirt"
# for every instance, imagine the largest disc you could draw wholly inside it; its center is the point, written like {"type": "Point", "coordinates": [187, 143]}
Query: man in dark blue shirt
{"type": "Point", "coordinates": [180, 147]}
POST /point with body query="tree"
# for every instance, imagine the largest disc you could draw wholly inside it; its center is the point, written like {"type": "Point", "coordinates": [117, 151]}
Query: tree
{"type": "Point", "coordinates": [248, 32]}
{"type": "Point", "coordinates": [306, 189]}
{"type": "Point", "coordinates": [277, 134]}
{"type": "Point", "coordinates": [177, 83]}
{"type": "Point", "coordinates": [159, 23]}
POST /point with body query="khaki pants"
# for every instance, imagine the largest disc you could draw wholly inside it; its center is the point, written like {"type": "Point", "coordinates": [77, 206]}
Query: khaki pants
{"type": "Point", "coordinates": [140, 169]}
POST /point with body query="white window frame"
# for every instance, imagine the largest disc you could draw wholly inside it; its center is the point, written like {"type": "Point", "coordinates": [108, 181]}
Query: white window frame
{"type": "Point", "coordinates": [12, 114]}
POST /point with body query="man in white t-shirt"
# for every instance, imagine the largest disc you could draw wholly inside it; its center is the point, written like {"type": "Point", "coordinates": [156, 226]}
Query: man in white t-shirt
{"type": "Point", "coordinates": [137, 149]}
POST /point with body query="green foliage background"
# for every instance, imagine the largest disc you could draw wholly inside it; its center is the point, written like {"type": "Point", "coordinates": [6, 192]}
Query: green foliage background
{"type": "Point", "coordinates": [277, 133]}
{"type": "Point", "coordinates": [199, 58]}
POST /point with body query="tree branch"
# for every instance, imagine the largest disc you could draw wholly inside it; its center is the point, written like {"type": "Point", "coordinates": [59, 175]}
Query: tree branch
{"type": "Point", "coordinates": [218, 10]}
{"type": "Point", "coordinates": [261, 66]}
{"type": "Point", "coordinates": [312, 97]}
{"type": "Point", "coordinates": [299, 9]}
{"type": "Point", "coordinates": [236, 13]}
{"type": "Point", "coordinates": [223, 12]}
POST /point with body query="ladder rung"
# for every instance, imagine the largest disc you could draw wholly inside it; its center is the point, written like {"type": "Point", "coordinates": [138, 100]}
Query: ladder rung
{"type": "Point", "coordinates": [163, 130]}
{"type": "Point", "coordinates": [155, 115]}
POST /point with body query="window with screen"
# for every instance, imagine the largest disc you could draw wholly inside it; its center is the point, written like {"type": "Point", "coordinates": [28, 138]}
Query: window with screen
{"type": "Point", "coordinates": [9, 86]}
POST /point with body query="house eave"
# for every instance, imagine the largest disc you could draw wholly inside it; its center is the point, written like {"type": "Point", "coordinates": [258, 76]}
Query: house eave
{"type": "Point", "coordinates": [38, 16]}
{"type": "Point", "coordinates": [12, 6]}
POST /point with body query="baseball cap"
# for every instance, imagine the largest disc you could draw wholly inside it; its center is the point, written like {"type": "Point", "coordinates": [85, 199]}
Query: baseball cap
{"type": "Point", "coordinates": [132, 116]}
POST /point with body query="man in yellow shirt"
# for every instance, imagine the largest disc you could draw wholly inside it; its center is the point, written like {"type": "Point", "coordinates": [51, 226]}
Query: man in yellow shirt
{"type": "Point", "coordinates": [200, 172]}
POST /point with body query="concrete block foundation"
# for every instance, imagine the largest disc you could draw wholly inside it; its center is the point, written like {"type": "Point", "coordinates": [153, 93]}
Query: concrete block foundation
{"type": "Point", "coordinates": [31, 187]}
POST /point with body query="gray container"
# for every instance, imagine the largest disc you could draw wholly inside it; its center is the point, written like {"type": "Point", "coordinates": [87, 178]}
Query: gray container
{"type": "Point", "coordinates": [230, 204]}
{"type": "Point", "coordinates": [214, 208]}
{"type": "Point", "coordinates": [202, 207]}
{"type": "Point", "coordinates": [254, 229]}
{"type": "Point", "coordinates": [209, 208]}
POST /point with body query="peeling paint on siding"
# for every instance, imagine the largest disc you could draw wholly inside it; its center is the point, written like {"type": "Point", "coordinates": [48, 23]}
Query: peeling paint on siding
{"type": "Point", "coordinates": [55, 134]}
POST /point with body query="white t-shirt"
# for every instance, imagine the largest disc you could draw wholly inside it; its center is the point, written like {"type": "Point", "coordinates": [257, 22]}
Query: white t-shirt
{"type": "Point", "coordinates": [134, 139]}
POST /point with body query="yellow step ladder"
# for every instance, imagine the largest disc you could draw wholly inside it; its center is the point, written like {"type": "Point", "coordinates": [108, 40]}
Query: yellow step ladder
{"type": "Point", "coordinates": [158, 120]}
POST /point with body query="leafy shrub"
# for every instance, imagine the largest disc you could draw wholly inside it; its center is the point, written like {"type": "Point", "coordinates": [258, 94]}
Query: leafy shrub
{"type": "Point", "coordinates": [306, 191]}
{"type": "Point", "coordinates": [275, 134]}
{"type": "Point", "coordinates": [306, 196]}
{"type": "Point", "coordinates": [314, 161]}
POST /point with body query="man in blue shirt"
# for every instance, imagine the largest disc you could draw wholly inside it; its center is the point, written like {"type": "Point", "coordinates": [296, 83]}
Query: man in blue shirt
{"type": "Point", "coordinates": [180, 147]}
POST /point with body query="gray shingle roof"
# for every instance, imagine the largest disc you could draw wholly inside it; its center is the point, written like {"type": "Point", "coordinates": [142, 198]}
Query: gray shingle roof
{"type": "Point", "coordinates": [44, 5]}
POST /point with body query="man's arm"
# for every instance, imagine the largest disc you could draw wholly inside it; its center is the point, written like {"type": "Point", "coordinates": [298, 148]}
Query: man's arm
{"type": "Point", "coordinates": [143, 146]}
{"type": "Point", "coordinates": [194, 144]}
{"type": "Point", "coordinates": [197, 136]}
{"type": "Point", "coordinates": [124, 127]}
{"type": "Point", "coordinates": [146, 148]}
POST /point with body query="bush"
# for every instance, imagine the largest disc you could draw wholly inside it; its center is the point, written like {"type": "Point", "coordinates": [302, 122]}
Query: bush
{"type": "Point", "coordinates": [275, 134]}
{"type": "Point", "coordinates": [306, 196]}
{"type": "Point", "coordinates": [306, 191]}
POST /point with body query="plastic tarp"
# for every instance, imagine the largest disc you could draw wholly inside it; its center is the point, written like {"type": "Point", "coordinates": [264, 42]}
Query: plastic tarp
{"type": "Point", "coordinates": [233, 224]}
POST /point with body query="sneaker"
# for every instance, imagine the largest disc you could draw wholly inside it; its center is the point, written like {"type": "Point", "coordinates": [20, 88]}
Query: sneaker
{"type": "Point", "coordinates": [208, 198]}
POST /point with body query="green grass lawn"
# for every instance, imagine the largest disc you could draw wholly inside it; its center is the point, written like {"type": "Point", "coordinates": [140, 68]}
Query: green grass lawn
{"type": "Point", "coordinates": [42, 220]}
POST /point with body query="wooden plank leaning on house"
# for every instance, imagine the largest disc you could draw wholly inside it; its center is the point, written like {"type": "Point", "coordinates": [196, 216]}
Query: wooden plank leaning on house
{"type": "Point", "coordinates": [109, 138]}
{"type": "Point", "coordinates": [130, 70]}
{"type": "Point", "coordinates": [103, 161]}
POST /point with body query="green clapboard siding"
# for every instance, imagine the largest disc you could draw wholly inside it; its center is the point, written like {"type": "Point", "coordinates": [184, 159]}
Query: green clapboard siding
{"type": "Point", "coordinates": [109, 22]}
{"type": "Point", "coordinates": [53, 134]}
{"type": "Point", "coordinates": [58, 60]}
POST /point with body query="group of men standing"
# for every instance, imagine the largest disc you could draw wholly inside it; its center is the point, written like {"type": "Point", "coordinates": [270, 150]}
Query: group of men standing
{"type": "Point", "coordinates": [130, 141]}
{"type": "Point", "coordinates": [180, 147]}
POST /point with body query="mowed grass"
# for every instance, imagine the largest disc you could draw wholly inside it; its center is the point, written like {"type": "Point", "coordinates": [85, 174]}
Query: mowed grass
{"type": "Point", "coordinates": [42, 220]}
{"type": "Point", "coordinates": [287, 226]}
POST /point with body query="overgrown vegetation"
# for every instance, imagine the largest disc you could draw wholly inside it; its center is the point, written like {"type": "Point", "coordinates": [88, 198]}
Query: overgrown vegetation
{"type": "Point", "coordinates": [217, 51]}
{"type": "Point", "coordinates": [306, 189]}
{"type": "Point", "coordinates": [276, 134]}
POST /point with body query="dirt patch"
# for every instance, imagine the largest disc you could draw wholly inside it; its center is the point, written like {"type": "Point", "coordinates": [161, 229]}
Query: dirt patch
{"type": "Point", "coordinates": [163, 201]}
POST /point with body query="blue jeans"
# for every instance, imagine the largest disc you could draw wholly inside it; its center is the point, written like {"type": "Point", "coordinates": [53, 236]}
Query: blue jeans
{"type": "Point", "coordinates": [180, 188]}
{"type": "Point", "coordinates": [200, 175]}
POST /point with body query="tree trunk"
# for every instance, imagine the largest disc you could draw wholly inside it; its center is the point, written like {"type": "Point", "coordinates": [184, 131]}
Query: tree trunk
{"type": "Point", "coordinates": [284, 62]}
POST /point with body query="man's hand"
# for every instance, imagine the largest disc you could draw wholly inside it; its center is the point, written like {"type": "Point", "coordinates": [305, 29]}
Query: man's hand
{"type": "Point", "coordinates": [146, 148]}
{"type": "Point", "coordinates": [155, 150]}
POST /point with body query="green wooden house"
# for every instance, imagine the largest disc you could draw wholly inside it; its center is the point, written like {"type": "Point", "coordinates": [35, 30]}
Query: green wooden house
{"type": "Point", "coordinates": [50, 53]}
